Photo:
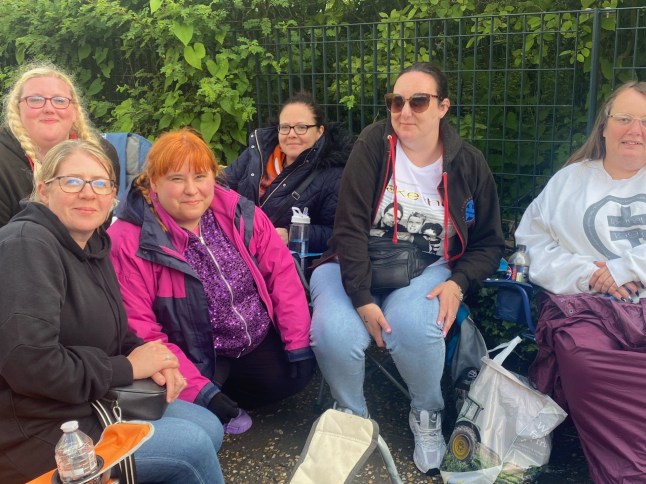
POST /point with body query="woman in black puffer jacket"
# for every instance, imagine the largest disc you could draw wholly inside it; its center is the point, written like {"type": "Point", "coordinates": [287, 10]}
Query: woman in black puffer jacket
{"type": "Point", "coordinates": [275, 171]}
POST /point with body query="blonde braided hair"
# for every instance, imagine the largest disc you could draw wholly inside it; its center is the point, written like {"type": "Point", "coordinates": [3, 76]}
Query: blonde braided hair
{"type": "Point", "coordinates": [82, 128]}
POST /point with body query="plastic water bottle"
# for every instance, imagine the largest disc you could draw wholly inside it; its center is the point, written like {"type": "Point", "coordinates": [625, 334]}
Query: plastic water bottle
{"type": "Point", "coordinates": [518, 268]}
{"type": "Point", "coordinates": [299, 232]}
{"type": "Point", "coordinates": [74, 452]}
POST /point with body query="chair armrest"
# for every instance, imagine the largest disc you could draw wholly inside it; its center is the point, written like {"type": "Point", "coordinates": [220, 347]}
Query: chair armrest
{"type": "Point", "coordinates": [513, 301]}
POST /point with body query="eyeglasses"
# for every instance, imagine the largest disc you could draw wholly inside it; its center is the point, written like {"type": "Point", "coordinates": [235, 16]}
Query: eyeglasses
{"type": "Point", "coordinates": [418, 102]}
{"type": "Point", "coordinates": [37, 102]}
{"type": "Point", "coordinates": [73, 184]}
{"type": "Point", "coordinates": [298, 129]}
{"type": "Point", "coordinates": [627, 119]}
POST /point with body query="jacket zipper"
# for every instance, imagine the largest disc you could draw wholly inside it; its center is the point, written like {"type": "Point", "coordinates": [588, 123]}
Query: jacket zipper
{"type": "Point", "coordinates": [233, 307]}
{"type": "Point", "coordinates": [305, 161]}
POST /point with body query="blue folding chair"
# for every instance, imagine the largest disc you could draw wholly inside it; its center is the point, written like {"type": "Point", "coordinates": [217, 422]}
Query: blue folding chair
{"type": "Point", "coordinates": [132, 150]}
{"type": "Point", "coordinates": [513, 304]}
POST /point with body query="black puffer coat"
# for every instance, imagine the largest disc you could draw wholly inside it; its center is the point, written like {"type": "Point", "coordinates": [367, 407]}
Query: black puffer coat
{"type": "Point", "coordinates": [329, 155]}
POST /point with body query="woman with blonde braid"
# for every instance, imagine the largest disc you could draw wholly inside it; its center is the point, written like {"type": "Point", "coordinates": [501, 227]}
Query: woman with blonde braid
{"type": "Point", "coordinates": [42, 109]}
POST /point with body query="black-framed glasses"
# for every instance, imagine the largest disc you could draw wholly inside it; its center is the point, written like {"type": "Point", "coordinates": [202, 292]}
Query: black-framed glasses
{"type": "Point", "coordinates": [74, 184]}
{"type": "Point", "coordinates": [298, 128]}
{"type": "Point", "coordinates": [37, 102]}
{"type": "Point", "coordinates": [418, 102]}
{"type": "Point", "coordinates": [627, 119]}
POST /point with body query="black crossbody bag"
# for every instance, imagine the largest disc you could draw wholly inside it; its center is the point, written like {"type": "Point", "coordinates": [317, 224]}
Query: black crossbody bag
{"type": "Point", "coordinates": [394, 264]}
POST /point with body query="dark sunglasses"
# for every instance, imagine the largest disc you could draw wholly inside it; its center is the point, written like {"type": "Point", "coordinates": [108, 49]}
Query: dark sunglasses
{"type": "Point", "coordinates": [418, 102]}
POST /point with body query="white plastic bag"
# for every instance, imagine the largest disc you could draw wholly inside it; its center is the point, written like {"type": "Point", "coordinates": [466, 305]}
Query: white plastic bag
{"type": "Point", "coordinates": [503, 429]}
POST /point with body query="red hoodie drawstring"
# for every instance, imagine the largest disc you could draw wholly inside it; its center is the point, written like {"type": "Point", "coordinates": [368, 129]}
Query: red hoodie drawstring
{"type": "Point", "coordinates": [391, 162]}
{"type": "Point", "coordinates": [392, 140]}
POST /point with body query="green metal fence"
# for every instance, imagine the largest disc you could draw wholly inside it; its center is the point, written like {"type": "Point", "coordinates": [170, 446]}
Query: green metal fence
{"type": "Point", "coordinates": [524, 88]}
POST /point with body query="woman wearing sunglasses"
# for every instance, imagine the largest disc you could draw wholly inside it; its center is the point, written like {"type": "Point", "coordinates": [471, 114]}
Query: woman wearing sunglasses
{"type": "Point", "coordinates": [302, 155]}
{"type": "Point", "coordinates": [417, 162]}
{"type": "Point", "coordinates": [42, 109]}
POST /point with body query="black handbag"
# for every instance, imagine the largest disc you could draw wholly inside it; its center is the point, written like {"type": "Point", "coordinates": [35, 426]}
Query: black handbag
{"type": "Point", "coordinates": [394, 264]}
{"type": "Point", "coordinates": [142, 400]}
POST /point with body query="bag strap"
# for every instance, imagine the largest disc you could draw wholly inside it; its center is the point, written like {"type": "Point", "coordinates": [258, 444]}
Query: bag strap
{"type": "Point", "coordinates": [509, 346]}
{"type": "Point", "coordinates": [127, 469]}
{"type": "Point", "coordinates": [295, 195]}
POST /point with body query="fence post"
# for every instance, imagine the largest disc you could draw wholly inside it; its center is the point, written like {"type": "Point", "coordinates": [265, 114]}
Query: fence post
{"type": "Point", "coordinates": [594, 69]}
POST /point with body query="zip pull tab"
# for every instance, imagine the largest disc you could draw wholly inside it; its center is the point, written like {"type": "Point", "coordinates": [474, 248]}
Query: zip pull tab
{"type": "Point", "coordinates": [116, 411]}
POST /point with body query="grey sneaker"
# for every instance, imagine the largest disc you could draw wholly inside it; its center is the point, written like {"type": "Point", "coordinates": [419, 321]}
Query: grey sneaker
{"type": "Point", "coordinates": [429, 441]}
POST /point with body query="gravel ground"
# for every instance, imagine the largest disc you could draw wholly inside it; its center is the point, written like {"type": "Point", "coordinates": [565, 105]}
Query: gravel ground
{"type": "Point", "coordinates": [268, 451]}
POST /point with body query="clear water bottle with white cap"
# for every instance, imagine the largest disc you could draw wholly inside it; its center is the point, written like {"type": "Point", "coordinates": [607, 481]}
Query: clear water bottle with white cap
{"type": "Point", "coordinates": [299, 232]}
{"type": "Point", "coordinates": [74, 453]}
{"type": "Point", "coordinates": [518, 269]}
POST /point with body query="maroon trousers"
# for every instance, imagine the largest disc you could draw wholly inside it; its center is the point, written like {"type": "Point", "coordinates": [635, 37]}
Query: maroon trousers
{"type": "Point", "coordinates": [592, 361]}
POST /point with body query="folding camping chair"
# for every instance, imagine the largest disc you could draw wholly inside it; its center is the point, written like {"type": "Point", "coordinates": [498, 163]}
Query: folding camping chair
{"type": "Point", "coordinates": [132, 150]}
{"type": "Point", "coordinates": [337, 447]}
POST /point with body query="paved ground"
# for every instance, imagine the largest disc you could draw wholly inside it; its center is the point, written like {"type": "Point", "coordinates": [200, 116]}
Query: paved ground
{"type": "Point", "coordinates": [268, 452]}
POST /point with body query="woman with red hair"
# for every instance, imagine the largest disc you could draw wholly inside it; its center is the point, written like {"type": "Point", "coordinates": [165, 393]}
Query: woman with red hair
{"type": "Point", "coordinates": [199, 268]}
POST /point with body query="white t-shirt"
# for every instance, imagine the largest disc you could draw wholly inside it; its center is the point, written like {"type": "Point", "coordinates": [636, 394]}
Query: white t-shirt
{"type": "Point", "coordinates": [420, 210]}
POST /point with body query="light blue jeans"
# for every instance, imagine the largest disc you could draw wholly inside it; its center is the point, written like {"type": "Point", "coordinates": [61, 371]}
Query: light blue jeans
{"type": "Point", "coordinates": [340, 339]}
{"type": "Point", "coordinates": [183, 448]}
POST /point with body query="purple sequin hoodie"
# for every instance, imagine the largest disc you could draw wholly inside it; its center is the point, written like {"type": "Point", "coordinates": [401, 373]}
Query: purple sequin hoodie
{"type": "Point", "coordinates": [163, 296]}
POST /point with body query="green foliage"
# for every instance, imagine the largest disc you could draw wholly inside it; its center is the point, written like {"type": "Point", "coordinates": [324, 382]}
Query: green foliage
{"type": "Point", "coordinates": [153, 65]}
{"type": "Point", "coordinates": [144, 66]}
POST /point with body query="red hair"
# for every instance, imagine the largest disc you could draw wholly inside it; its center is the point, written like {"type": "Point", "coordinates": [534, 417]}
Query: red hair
{"type": "Point", "coordinates": [175, 148]}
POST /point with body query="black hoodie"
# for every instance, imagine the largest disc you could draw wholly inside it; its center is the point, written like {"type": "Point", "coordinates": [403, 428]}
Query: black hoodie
{"type": "Point", "coordinates": [63, 338]}
{"type": "Point", "coordinates": [17, 176]}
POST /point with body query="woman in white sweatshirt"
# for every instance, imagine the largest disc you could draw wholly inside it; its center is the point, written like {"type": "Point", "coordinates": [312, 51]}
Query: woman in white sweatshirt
{"type": "Point", "coordinates": [586, 235]}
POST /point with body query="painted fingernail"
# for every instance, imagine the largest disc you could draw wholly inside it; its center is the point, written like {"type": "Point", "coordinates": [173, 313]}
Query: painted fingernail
{"type": "Point", "coordinates": [624, 299]}
{"type": "Point", "coordinates": [444, 334]}
{"type": "Point", "coordinates": [440, 323]}
{"type": "Point", "coordinates": [589, 287]}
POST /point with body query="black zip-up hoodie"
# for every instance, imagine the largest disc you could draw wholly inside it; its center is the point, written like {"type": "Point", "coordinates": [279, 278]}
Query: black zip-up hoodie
{"type": "Point", "coordinates": [467, 188]}
{"type": "Point", "coordinates": [63, 338]}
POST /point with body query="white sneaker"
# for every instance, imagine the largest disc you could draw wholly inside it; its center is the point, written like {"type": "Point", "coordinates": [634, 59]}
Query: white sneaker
{"type": "Point", "coordinates": [429, 441]}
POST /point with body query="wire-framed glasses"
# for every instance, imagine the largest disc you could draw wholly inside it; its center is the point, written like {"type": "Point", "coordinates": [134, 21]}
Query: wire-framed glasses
{"type": "Point", "coordinates": [74, 184]}
{"type": "Point", "coordinates": [627, 119]}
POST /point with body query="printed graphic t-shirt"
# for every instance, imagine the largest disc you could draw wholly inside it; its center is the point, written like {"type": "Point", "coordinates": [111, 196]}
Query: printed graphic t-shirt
{"type": "Point", "coordinates": [420, 211]}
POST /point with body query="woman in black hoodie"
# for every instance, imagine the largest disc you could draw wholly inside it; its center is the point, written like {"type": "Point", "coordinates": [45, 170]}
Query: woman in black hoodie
{"type": "Point", "coordinates": [295, 164]}
{"type": "Point", "coordinates": [64, 338]}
